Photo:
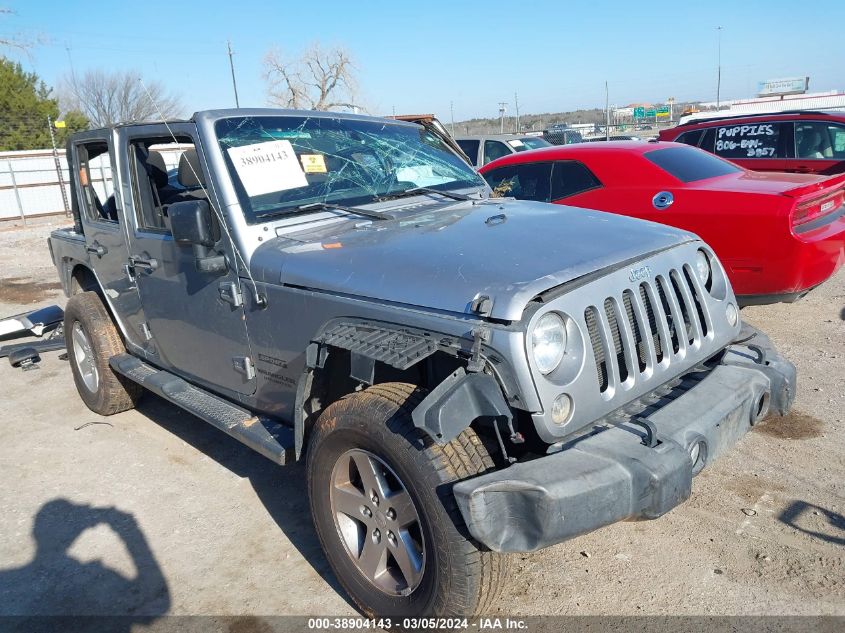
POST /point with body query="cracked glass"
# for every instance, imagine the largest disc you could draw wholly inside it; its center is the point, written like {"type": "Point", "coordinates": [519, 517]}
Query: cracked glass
{"type": "Point", "coordinates": [279, 164]}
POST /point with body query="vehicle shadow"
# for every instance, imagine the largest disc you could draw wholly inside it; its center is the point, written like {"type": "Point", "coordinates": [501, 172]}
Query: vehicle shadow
{"type": "Point", "coordinates": [281, 489]}
{"type": "Point", "coordinates": [799, 515]}
{"type": "Point", "coordinates": [55, 583]}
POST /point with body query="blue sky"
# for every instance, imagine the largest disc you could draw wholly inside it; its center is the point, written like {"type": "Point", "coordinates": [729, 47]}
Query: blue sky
{"type": "Point", "coordinates": [419, 57]}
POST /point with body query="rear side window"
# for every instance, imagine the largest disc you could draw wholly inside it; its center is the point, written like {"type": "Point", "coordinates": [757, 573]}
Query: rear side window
{"type": "Point", "coordinates": [95, 182]}
{"type": "Point", "coordinates": [750, 140]}
{"type": "Point", "coordinates": [688, 164]}
{"type": "Point", "coordinates": [529, 181]}
{"type": "Point", "coordinates": [494, 150]}
{"type": "Point", "coordinates": [570, 177]}
{"type": "Point", "coordinates": [470, 147]}
{"type": "Point", "coordinates": [690, 138]}
{"type": "Point", "coordinates": [817, 139]}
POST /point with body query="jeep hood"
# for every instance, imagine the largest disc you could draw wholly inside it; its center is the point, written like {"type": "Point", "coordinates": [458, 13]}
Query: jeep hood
{"type": "Point", "coordinates": [508, 250]}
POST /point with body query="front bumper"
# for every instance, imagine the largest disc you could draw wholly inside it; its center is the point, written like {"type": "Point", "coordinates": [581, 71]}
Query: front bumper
{"type": "Point", "coordinates": [612, 475]}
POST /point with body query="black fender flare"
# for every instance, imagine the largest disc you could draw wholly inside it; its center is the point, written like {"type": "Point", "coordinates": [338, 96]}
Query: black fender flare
{"type": "Point", "coordinates": [457, 402]}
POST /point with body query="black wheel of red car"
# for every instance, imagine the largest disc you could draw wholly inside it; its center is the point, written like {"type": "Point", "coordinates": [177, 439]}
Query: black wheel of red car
{"type": "Point", "coordinates": [381, 500]}
{"type": "Point", "coordinates": [92, 339]}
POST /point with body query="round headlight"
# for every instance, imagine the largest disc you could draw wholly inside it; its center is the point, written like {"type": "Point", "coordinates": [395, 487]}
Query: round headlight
{"type": "Point", "coordinates": [548, 342]}
{"type": "Point", "coordinates": [702, 267]}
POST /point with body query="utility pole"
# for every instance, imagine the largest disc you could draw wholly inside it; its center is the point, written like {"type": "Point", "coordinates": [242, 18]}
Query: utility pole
{"type": "Point", "coordinates": [232, 67]}
{"type": "Point", "coordinates": [516, 106]}
{"type": "Point", "coordinates": [452, 113]}
{"type": "Point", "coordinates": [502, 110]}
{"type": "Point", "coordinates": [607, 112]}
{"type": "Point", "coordinates": [719, 68]}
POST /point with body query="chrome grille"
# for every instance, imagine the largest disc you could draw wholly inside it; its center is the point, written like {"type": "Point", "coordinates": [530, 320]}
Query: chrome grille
{"type": "Point", "coordinates": [652, 325]}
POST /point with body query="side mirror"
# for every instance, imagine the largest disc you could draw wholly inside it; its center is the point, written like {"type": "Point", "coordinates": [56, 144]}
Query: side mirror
{"type": "Point", "coordinates": [190, 223]}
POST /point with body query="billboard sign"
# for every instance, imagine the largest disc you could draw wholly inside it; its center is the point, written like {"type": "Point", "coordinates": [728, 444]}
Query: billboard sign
{"type": "Point", "coordinates": [788, 86]}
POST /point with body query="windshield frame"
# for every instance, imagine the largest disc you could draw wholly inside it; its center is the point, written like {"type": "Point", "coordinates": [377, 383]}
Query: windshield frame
{"type": "Point", "coordinates": [282, 124]}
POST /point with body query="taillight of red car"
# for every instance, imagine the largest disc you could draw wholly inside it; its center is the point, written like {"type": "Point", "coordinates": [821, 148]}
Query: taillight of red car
{"type": "Point", "coordinates": [812, 209]}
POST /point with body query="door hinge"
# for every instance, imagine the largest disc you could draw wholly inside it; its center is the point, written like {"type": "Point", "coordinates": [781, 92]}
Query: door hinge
{"type": "Point", "coordinates": [230, 293]}
{"type": "Point", "coordinates": [243, 365]}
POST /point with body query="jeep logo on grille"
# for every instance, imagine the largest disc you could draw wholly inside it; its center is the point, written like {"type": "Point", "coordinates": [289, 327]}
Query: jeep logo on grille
{"type": "Point", "coordinates": [638, 274]}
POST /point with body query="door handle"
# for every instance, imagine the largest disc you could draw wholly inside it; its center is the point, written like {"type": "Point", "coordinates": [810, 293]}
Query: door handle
{"type": "Point", "coordinates": [96, 249]}
{"type": "Point", "coordinates": [149, 265]}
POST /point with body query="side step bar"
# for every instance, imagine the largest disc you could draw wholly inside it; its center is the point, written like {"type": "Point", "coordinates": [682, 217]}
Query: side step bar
{"type": "Point", "coordinates": [264, 435]}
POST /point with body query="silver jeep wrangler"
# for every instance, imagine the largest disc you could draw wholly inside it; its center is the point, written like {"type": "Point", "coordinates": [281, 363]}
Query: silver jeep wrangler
{"type": "Point", "coordinates": [465, 376]}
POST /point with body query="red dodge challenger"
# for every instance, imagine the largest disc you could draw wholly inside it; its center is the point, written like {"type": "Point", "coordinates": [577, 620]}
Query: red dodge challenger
{"type": "Point", "coordinates": [779, 235]}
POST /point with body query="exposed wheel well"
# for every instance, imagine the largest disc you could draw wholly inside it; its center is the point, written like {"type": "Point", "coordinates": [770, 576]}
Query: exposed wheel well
{"type": "Point", "coordinates": [332, 381]}
{"type": "Point", "coordinates": [82, 279]}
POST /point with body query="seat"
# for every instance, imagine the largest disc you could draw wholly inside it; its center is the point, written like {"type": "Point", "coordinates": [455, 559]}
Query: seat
{"type": "Point", "coordinates": [189, 173]}
{"type": "Point", "coordinates": [190, 176]}
{"type": "Point", "coordinates": [809, 143]}
{"type": "Point", "coordinates": [157, 170]}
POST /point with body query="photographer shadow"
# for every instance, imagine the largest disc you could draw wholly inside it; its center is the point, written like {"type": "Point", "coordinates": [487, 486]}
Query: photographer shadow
{"type": "Point", "coordinates": [56, 584]}
{"type": "Point", "coordinates": [799, 514]}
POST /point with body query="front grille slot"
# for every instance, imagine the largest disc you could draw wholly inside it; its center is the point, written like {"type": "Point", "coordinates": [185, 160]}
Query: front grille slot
{"type": "Point", "coordinates": [652, 323]}
{"type": "Point", "coordinates": [671, 315]}
{"type": "Point", "coordinates": [592, 319]}
{"type": "Point", "coordinates": [639, 343]}
{"type": "Point", "coordinates": [610, 313]}
{"type": "Point", "coordinates": [633, 333]}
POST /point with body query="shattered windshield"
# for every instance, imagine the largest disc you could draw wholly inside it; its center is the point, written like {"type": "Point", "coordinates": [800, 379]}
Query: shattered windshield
{"type": "Point", "coordinates": [279, 164]}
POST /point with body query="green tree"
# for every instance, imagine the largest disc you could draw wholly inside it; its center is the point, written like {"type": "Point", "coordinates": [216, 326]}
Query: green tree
{"type": "Point", "coordinates": [25, 105]}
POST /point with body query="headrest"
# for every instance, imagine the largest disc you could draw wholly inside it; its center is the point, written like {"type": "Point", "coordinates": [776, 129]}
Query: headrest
{"type": "Point", "coordinates": [157, 169]}
{"type": "Point", "coordinates": [190, 174]}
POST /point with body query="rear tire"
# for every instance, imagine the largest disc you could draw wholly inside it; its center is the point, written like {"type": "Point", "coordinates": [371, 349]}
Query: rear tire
{"type": "Point", "coordinates": [451, 575]}
{"type": "Point", "coordinates": [92, 339]}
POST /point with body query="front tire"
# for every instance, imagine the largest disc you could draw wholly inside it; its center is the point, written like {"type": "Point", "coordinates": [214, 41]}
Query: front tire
{"type": "Point", "coordinates": [382, 504]}
{"type": "Point", "coordinates": [92, 339]}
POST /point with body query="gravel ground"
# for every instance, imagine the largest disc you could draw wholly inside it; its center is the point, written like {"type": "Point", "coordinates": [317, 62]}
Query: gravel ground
{"type": "Point", "coordinates": [152, 511]}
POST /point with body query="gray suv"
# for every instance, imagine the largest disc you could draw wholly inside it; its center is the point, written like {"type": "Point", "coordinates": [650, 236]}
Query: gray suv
{"type": "Point", "coordinates": [465, 376]}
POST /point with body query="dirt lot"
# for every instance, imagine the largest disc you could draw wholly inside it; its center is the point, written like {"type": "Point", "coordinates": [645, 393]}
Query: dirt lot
{"type": "Point", "coordinates": [152, 511]}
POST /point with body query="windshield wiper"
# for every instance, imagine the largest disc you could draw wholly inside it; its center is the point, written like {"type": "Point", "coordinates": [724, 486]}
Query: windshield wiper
{"type": "Point", "coordinates": [413, 191]}
{"type": "Point", "coordinates": [320, 206]}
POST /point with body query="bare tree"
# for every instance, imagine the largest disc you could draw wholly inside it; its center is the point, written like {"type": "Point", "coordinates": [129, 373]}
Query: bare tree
{"type": "Point", "coordinates": [107, 98]}
{"type": "Point", "coordinates": [318, 80]}
{"type": "Point", "coordinates": [13, 41]}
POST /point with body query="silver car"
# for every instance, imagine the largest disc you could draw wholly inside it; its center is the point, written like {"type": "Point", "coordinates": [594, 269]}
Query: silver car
{"type": "Point", "coordinates": [487, 147]}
